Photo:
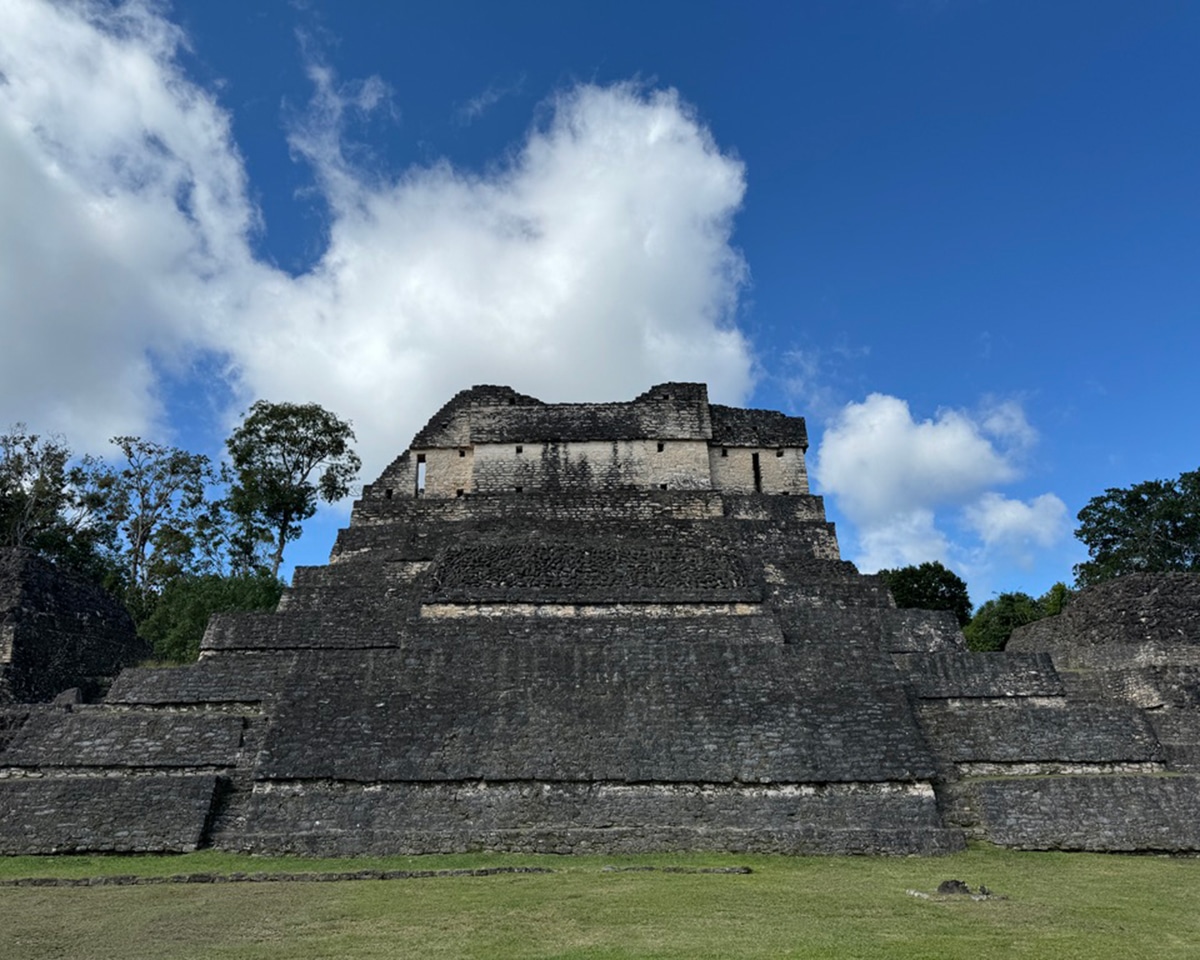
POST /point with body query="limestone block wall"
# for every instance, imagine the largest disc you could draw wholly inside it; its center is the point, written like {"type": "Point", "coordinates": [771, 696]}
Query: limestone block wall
{"type": "Point", "coordinates": [961, 674]}
{"type": "Point", "coordinates": [1030, 731]}
{"type": "Point", "coordinates": [1142, 813]}
{"type": "Point", "coordinates": [594, 465]}
{"type": "Point", "coordinates": [623, 712]}
{"type": "Point", "coordinates": [669, 418]}
{"type": "Point", "coordinates": [737, 427]}
{"type": "Point", "coordinates": [758, 470]}
{"type": "Point", "coordinates": [93, 737]}
{"type": "Point", "coordinates": [398, 480]}
{"type": "Point", "coordinates": [631, 506]}
{"type": "Point", "coordinates": [330, 818]}
{"type": "Point", "coordinates": [505, 441]}
{"type": "Point", "coordinates": [601, 465]}
{"type": "Point", "coordinates": [257, 647]}
{"type": "Point", "coordinates": [446, 473]}
{"type": "Point", "coordinates": [590, 570]}
{"type": "Point", "coordinates": [248, 678]}
{"type": "Point", "coordinates": [160, 814]}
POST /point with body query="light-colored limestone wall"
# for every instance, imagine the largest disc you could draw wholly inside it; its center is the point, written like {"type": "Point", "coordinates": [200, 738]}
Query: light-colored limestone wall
{"type": "Point", "coordinates": [448, 471]}
{"type": "Point", "coordinates": [784, 473]}
{"type": "Point", "coordinates": [651, 611]}
{"type": "Point", "coordinates": [596, 465]}
{"type": "Point", "coordinates": [681, 464]}
{"type": "Point", "coordinates": [501, 467]}
{"type": "Point", "coordinates": [400, 477]}
{"type": "Point", "coordinates": [781, 471]}
{"type": "Point", "coordinates": [732, 469]}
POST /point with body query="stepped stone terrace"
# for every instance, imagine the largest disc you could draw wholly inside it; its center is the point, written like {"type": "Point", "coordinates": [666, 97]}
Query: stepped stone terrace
{"type": "Point", "coordinates": [609, 627]}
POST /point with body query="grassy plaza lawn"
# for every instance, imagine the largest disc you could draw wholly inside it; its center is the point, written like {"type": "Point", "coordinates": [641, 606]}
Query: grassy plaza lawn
{"type": "Point", "coordinates": [1049, 905]}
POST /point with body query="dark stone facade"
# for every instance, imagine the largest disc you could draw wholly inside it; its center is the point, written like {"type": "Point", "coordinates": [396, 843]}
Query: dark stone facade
{"type": "Point", "coordinates": [58, 631]}
{"type": "Point", "coordinates": [605, 665]}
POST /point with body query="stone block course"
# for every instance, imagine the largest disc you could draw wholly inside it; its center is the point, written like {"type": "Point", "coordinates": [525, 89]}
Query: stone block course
{"type": "Point", "coordinates": [245, 678]}
{"type": "Point", "coordinates": [1015, 731]}
{"type": "Point", "coordinates": [964, 674]}
{"type": "Point", "coordinates": [328, 818]}
{"type": "Point", "coordinates": [624, 712]}
{"type": "Point", "coordinates": [97, 737]}
{"type": "Point", "coordinates": [1119, 813]}
{"type": "Point", "coordinates": [104, 814]}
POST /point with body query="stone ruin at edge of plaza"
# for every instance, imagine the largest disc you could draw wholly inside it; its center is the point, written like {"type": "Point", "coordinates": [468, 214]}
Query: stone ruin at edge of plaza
{"type": "Point", "coordinates": [620, 627]}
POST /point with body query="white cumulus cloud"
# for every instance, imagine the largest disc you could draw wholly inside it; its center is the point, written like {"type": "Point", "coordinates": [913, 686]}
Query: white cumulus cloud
{"type": "Point", "coordinates": [1016, 525]}
{"type": "Point", "coordinates": [124, 213]}
{"type": "Point", "coordinates": [591, 260]}
{"type": "Point", "coordinates": [902, 481]}
{"type": "Point", "coordinates": [880, 462]}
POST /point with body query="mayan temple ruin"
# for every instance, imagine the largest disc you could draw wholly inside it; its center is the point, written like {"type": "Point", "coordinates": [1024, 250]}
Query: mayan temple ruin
{"type": "Point", "coordinates": [620, 627]}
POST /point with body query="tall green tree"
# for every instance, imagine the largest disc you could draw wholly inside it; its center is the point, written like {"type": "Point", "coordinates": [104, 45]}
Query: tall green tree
{"type": "Point", "coordinates": [930, 586]}
{"type": "Point", "coordinates": [285, 457]}
{"type": "Point", "coordinates": [158, 502]}
{"type": "Point", "coordinates": [1150, 527]}
{"type": "Point", "coordinates": [51, 503]}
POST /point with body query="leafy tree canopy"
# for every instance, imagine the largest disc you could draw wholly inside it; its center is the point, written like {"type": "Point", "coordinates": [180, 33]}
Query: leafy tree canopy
{"type": "Point", "coordinates": [930, 586]}
{"type": "Point", "coordinates": [995, 621]}
{"type": "Point", "coordinates": [1150, 527]}
{"type": "Point", "coordinates": [1054, 600]}
{"type": "Point", "coordinates": [286, 456]}
{"type": "Point", "coordinates": [157, 502]}
{"type": "Point", "coordinates": [176, 625]}
{"type": "Point", "coordinates": [50, 504]}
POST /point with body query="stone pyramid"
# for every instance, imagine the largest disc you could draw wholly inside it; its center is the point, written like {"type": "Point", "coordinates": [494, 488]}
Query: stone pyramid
{"type": "Point", "coordinates": [593, 627]}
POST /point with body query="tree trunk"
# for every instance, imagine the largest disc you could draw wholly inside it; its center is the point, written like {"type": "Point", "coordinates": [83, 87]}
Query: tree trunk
{"type": "Point", "coordinates": [280, 540]}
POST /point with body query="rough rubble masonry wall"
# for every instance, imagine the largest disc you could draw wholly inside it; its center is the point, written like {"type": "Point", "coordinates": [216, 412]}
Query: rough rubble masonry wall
{"type": "Point", "coordinates": [57, 631]}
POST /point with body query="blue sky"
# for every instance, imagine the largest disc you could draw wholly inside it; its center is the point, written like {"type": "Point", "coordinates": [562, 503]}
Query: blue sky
{"type": "Point", "coordinates": [960, 237]}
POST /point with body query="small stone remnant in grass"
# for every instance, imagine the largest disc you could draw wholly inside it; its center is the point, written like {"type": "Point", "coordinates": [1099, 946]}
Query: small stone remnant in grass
{"type": "Point", "coordinates": [951, 889]}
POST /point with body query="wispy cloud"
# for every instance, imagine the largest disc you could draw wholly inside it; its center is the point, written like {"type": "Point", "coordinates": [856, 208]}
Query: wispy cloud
{"type": "Point", "coordinates": [470, 111]}
{"type": "Point", "coordinates": [818, 380]}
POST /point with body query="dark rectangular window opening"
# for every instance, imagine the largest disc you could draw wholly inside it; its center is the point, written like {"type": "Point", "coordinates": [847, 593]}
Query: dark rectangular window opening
{"type": "Point", "coordinates": [757, 473]}
{"type": "Point", "coordinates": [420, 473]}
{"type": "Point", "coordinates": [779, 453]}
{"type": "Point", "coordinates": [724, 451]}
{"type": "Point", "coordinates": [660, 447]}
{"type": "Point", "coordinates": [458, 492]}
{"type": "Point", "coordinates": [520, 449]}
{"type": "Point", "coordinates": [463, 453]}
{"type": "Point", "coordinates": [662, 486]}
{"type": "Point", "coordinates": [387, 494]}
{"type": "Point", "coordinates": [519, 489]}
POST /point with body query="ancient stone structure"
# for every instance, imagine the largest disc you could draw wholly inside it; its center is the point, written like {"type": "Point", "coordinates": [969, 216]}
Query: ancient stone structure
{"type": "Point", "coordinates": [58, 631]}
{"type": "Point", "coordinates": [595, 627]}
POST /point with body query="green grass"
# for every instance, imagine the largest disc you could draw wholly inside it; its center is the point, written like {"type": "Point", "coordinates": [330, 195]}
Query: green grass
{"type": "Point", "coordinates": [1059, 906]}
